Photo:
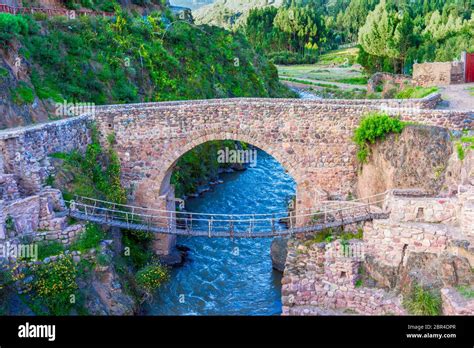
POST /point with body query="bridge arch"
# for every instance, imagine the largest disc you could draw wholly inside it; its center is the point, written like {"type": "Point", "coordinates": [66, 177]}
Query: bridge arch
{"type": "Point", "coordinates": [312, 140]}
{"type": "Point", "coordinates": [287, 160]}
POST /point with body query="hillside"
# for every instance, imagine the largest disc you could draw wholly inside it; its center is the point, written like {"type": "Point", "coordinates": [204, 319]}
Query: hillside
{"type": "Point", "coordinates": [230, 13]}
{"type": "Point", "coordinates": [123, 60]}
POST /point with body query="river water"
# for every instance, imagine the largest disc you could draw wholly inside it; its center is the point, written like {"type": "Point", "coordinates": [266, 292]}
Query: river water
{"type": "Point", "coordinates": [225, 277]}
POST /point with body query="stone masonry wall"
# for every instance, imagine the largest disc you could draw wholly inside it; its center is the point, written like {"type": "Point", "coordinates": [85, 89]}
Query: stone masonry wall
{"type": "Point", "coordinates": [321, 279]}
{"type": "Point", "coordinates": [311, 139]}
{"type": "Point", "coordinates": [438, 73]}
{"type": "Point", "coordinates": [24, 152]}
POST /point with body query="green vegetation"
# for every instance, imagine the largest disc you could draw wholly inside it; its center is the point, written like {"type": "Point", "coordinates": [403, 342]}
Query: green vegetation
{"type": "Point", "coordinates": [3, 73]}
{"type": "Point", "coordinates": [22, 94]}
{"type": "Point", "coordinates": [132, 59]}
{"type": "Point", "coordinates": [290, 34]}
{"type": "Point", "coordinates": [89, 239]}
{"type": "Point", "coordinates": [47, 249]}
{"type": "Point", "coordinates": [306, 82]}
{"type": "Point", "coordinates": [347, 56]}
{"type": "Point", "coordinates": [95, 174]}
{"type": "Point", "coordinates": [422, 302]}
{"type": "Point", "coordinates": [393, 34]}
{"type": "Point", "coordinates": [5, 288]}
{"type": "Point", "coordinates": [11, 27]}
{"type": "Point", "coordinates": [373, 127]}
{"type": "Point", "coordinates": [55, 285]}
{"type": "Point", "coordinates": [9, 223]}
{"type": "Point", "coordinates": [465, 143]}
{"type": "Point", "coordinates": [396, 34]}
{"type": "Point", "coordinates": [151, 277]}
{"type": "Point", "coordinates": [354, 80]}
{"type": "Point", "coordinates": [329, 234]}
{"type": "Point", "coordinates": [471, 90]}
{"type": "Point", "coordinates": [415, 92]}
{"type": "Point", "coordinates": [466, 291]}
{"type": "Point", "coordinates": [139, 250]}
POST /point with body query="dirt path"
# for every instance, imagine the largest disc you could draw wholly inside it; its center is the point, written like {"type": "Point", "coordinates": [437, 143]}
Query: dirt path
{"type": "Point", "coordinates": [458, 97]}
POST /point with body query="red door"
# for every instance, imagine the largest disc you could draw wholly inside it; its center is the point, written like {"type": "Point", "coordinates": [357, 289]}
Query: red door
{"type": "Point", "coordinates": [469, 67]}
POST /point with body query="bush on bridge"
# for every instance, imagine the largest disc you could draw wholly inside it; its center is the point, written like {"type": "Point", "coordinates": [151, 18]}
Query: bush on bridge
{"type": "Point", "coordinates": [373, 127]}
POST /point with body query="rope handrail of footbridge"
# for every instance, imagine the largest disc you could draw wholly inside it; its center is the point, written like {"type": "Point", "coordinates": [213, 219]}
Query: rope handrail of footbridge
{"type": "Point", "coordinates": [95, 202]}
{"type": "Point", "coordinates": [264, 225]}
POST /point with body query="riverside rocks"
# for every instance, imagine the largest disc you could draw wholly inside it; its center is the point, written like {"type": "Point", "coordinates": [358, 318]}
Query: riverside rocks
{"type": "Point", "coordinates": [278, 253]}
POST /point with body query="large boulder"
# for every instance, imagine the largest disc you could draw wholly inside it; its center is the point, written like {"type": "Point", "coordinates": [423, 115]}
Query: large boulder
{"type": "Point", "coordinates": [278, 253]}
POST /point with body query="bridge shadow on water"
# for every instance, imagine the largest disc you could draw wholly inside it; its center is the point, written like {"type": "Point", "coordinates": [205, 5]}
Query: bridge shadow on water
{"type": "Point", "coordinates": [224, 276]}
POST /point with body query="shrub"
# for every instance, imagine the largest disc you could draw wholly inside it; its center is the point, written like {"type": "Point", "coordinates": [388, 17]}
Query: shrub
{"type": "Point", "coordinates": [90, 238]}
{"type": "Point", "coordinates": [23, 94]}
{"type": "Point", "coordinates": [55, 283]}
{"type": "Point", "coordinates": [10, 27]}
{"type": "Point", "coordinates": [466, 143]}
{"type": "Point", "coordinates": [373, 127]}
{"type": "Point", "coordinates": [151, 277]}
{"type": "Point", "coordinates": [290, 58]}
{"type": "Point", "coordinates": [423, 302]}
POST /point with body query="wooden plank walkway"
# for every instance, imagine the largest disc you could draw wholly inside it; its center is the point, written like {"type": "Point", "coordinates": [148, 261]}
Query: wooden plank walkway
{"type": "Point", "coordinates": [331, 214]}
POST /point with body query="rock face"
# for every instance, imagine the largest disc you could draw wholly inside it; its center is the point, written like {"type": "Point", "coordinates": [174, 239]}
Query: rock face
{"type": "Point", "coordinates": [278, 253]}
{"type": "Point", "coordinates": [416, 158]}
{"type": "Point", "coordinates": [106, 296]}
{"type": "Point", "coordinates": [323, 279]}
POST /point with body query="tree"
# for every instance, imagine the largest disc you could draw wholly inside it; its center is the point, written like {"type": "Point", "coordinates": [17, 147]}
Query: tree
{"type": "Point", "coordinates": [377, 35]}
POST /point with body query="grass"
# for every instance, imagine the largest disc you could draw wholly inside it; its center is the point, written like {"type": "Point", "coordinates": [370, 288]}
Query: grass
{"type": "Point", "coordinates": [49, 249]}
{"type": "Point", "coordinates": [339, 93]}
{"type": "Point", "coordinates": [466, 291]}
{"type": "Point", "coordinates": [320, 70]}
{"type": "Point", "coordinates": [306, 82]}
{"type": "Point", "coordinates": [328, 235]}
{"type": "Point", "coordinates": [343, 56]}
{"type": "Point", "coordinates": [470, 90]}
{"type": "Point", "coordinates": [354, 80]}
{"type": "Point", "coordinates": [89, 239]}
{"type": "Point", "coordinates": [23, 94]}
{"type": "Point", "coordinates": [415, 92]}
{"type": "Point", "coordinates": [423, 302]}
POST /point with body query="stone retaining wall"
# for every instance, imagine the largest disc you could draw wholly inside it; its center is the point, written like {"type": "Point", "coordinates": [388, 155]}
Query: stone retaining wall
{"type": "Point", "coordinates": [456, 304]}
{"type": "Point", "coordinates": [24, 152]}
{"type": "Point", "coordinates": [321, 279]}
{"type": "Point", "coordinates": [438, 73]}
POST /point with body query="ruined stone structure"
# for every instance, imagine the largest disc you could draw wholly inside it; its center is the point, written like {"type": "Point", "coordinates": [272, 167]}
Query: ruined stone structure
{"type": "Point", "coordinates": [428, 240]}
{"type": "Point", "coordinates": [29, 210]}
{"type": "Point", "coordinates": [438, 73]}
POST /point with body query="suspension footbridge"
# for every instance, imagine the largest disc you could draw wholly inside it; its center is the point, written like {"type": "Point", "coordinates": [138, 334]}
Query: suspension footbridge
{"type": "Point", "coordinates": [329, 214]}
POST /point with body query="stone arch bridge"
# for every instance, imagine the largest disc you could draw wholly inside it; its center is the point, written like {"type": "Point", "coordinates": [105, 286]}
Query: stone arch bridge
{"type": "Point", "coordinates": [311, 139]}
